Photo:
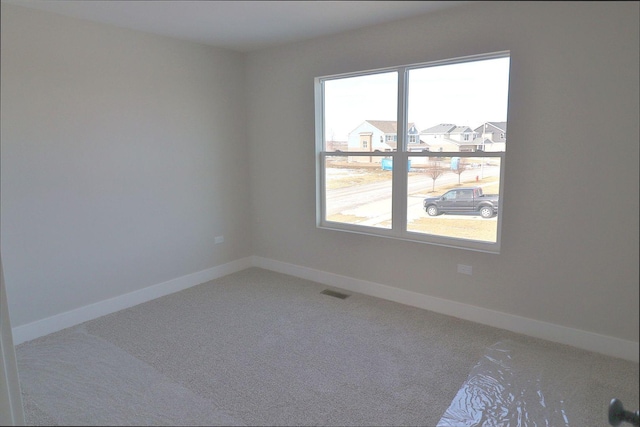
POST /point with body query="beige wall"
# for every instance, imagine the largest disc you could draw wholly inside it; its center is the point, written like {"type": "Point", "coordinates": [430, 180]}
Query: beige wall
{"type": "Point", "coordinates": [570, 220]}
{"type": "Point", "coordinates": [123, 156]}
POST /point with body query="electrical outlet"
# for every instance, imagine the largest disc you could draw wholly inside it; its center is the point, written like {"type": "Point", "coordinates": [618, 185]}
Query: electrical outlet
{"type": "Point", "coordinates": [218, 239]}
{"type": "Point", "coordinates": [465, 269]}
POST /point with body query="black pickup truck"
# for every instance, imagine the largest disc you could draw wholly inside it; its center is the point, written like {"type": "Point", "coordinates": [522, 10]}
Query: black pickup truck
{"type": "Point", "coordinates": [463, 200]}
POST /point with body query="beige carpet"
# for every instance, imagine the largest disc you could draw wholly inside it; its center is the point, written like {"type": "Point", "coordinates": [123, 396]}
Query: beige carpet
{"type": "Point", "coordinates": [262, 348]}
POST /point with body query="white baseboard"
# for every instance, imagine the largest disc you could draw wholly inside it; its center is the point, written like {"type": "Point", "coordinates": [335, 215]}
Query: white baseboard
{"type": "Point", "coordinates": [585, 340]}
{"type": "Point", "coordinates": [74, 317]}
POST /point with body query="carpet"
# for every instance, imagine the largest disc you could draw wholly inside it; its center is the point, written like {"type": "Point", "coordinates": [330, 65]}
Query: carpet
{"type": "Point", "coordinates": [262, 348]}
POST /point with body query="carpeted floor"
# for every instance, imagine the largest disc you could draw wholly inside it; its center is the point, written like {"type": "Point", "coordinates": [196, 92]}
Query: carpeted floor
{"type": "Point", "coordinates": [262, 348]}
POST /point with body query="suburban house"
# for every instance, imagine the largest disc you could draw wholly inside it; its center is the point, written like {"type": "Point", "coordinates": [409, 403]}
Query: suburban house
{"type": "Point", "coordinates": [382, 136]}
{"type": "Point", "coordinates": [134, 165]}
{"type": "Point", "coordinates": [378, 136]}
{"type": "Point", "coordinates": [491, 136]}
{"type": "Point", "coordinates": [449, 137]}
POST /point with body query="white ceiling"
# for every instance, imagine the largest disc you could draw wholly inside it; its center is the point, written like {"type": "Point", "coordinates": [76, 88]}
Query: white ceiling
{"type": "Point", "coordinates": [239, 25]}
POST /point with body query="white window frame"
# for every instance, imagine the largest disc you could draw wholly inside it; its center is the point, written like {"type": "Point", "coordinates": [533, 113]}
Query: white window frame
{"type": "Point", "coordinates": [400, 157]}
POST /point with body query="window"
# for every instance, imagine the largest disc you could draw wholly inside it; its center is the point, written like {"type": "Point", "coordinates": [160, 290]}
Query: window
{"type": "Point", "coordinates": [398, 193]}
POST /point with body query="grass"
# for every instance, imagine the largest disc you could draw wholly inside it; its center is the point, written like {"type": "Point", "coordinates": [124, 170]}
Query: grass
{"type": "Point", "coordinates": [461, 227]}
{"type": "Point", "coordinates": [358, 177]}
{"type": "Point", "coordinates": [449, 226]}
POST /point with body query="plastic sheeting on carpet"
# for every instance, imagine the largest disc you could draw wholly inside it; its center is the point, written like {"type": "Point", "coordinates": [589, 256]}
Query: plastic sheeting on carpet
{"type": "Point", "coordinates": [502, 390]}
{"type": "Point", "coordinates": [81, 379]}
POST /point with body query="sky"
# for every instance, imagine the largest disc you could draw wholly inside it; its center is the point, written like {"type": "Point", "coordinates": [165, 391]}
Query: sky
{"type": "Point", "coordinates": [464, 94]}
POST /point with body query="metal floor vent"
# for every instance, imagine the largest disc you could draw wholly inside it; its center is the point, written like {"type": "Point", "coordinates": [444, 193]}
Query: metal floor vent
{"type": "Point", "coordinates": [334, 294]}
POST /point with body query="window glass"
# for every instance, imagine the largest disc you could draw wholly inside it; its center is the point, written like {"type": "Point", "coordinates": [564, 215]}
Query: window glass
{"type": "Point", "coordinates": [352, 101]}
{"type": "Point", "coordinates": [358, 192]}
{"type": "Point", "coordinates": [359, 118]}
{"type": "Point", "coordinates": [461, 203]}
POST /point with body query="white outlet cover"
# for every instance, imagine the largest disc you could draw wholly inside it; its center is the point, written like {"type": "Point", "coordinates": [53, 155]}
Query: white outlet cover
{"type": "Point", "coordinates": [465, 269]}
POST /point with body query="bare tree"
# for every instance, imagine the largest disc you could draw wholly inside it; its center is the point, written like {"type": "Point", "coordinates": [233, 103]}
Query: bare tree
{"type": "Point", "coordinates": [460, 167]}
{"type": "Point", "coordinates": [434, 170]}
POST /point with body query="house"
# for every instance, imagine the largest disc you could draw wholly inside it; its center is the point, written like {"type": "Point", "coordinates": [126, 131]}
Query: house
{"type": "Point", "coordinates": [491, 136]}
{"type": "Point", "coordinates": [378, 136]}
{"type": "Point", "coordinates": [449, 137]}
{"type": "Point", "coordinates": [126, 156]}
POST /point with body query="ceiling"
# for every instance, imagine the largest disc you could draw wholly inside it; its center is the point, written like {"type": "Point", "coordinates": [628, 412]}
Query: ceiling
{"type": "Point", "coordinates": [243, 26]}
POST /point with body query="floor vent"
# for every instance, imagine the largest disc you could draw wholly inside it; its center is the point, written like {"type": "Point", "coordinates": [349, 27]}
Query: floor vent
{"type": "Point", "coordinates": [334, 294]}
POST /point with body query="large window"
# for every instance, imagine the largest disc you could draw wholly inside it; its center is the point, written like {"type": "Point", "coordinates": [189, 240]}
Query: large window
{"type": "Point", "coordinates": [441, 186]}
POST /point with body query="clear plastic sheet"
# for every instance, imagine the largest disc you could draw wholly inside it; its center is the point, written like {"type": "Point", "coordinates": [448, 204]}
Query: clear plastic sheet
{"type": "Point", "coordinates": [502, 390]}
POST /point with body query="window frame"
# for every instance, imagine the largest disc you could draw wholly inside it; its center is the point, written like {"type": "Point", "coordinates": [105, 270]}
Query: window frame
{"type": "Point", "coordinates": [400, 175]}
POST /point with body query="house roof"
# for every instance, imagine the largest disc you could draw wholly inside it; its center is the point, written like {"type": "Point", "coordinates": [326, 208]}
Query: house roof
{"type": "Point", "coordinates": [500, 126]}
{"type": "Point", "coordinates": [461, 129]}
{"type": "Point", "coordinates": [440, 129]}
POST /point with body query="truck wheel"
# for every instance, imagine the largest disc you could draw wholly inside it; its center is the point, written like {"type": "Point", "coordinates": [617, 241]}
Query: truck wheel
{"type": "Point", "coordinates": [432, 210]}
{"type": "Point", "coordinates": [486, 212]}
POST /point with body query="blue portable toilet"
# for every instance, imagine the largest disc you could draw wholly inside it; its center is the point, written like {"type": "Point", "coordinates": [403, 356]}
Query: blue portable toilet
{"type": "Point", "coordinates": [455, 161]}
{"type": "Point", "coordinates": [387, 164]}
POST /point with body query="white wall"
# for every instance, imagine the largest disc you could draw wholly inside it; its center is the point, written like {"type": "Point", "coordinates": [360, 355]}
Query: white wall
{"type": "Point", "coordinates": [123, 156]}
{"type": "Point", "coordinates": [570, 220]}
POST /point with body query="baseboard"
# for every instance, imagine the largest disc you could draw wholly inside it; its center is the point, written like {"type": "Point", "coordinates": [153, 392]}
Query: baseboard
{"type": "Point", "coordinates": [585, 340]}
{"type": "Point", "coordinates": [74, 317]}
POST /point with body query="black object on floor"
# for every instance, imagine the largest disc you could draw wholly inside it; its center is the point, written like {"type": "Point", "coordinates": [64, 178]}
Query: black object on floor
{"type": "Point", "coordinates": [617, 414]}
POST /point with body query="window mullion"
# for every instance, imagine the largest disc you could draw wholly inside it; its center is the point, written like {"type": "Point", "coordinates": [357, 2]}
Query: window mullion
{"type": "Point", "coordinates": [399, 189]}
